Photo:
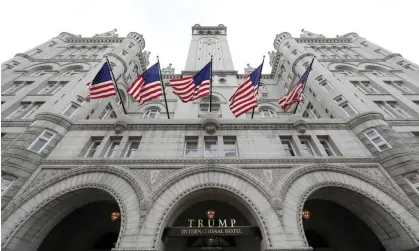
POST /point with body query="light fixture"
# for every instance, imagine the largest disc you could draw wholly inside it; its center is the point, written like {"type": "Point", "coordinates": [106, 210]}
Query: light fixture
{"type": "Point", "coordinates": [115, 216]}
{"type": "Point", "coordinates": [306, 214]}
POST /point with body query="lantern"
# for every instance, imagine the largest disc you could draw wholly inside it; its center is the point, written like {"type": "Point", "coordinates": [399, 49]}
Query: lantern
{"type": "Point", "coordinates": [115, 216]}
{"type": "Point", "coordinates": [306, 214]}
{"type": "Point", "coordinates": [211, 213]}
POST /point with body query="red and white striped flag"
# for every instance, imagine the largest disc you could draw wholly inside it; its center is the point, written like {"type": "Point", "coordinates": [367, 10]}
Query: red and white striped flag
{"type": "Point", "coordinates": [245, 97]}
{"type": "Point", "coordinates": [147, 86]}
{"type": "Point", "coordinates": [295, 95]}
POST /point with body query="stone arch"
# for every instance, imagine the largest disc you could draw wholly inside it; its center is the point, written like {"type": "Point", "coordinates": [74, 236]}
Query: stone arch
{"type": "Point", "coordinates": [343, 66]}
{"type": "Point", "coordinates": [160, 107]}
{"type": "Point", "coordinates": [269, 106]}
{"type": "Point", "coordinates": [42, 67]}
{"type": "Point", "coordinates": [33, 206]}
{"type": "Point", "coordinates": [218, 96]}
{"type": "Point", "coordinates": [379, 208]}
{"type": "Point", "coordinates": [72, 66]}
{"type": "Point", "coordinates": [167, 197]}
{"type": "Point", "coordinates": [376, 66]}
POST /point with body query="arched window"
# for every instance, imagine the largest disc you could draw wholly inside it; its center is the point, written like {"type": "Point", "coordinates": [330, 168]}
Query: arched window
{"type": "Point", "coordinates": [222, 81]}
{"type": "Point", "coordinates": [152, 113]}
{"type": "Point", "coordinates": [204, 105]}
{"type": "Point", "coordinates": [70, 73]}
{"type": "Point", "coordinates": [266, 112]}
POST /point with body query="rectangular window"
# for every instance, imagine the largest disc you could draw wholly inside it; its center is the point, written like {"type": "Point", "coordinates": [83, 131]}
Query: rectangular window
{"type": "Point", "coordinates": [326, 85]}
{"type": "Point", "coordinates": [287, 45]}
{"type": "Point", "coordinates": [210, 149]}
{"type": "Point", "coordinates": [130, 45]}
{"type": "Point", "coordinates": [95, 142]}
{"type": "Point", "coordinates": [382, 52]}
{"type": "Point", "coordinates": [327, 147]}
{"type": "Point", "coordinates": [16, 87]}
{"type": "Point", "coordinates": [52, 87]}
{"type": "Point", "coordinates": [69, 111]}
{"type": "Point", "coordinates": [133, 146]}
{"type": "Point", "coordinates": [399, 85]}
{"type": "Point", "coordinates": [25, 110]}
{"type": "Point", "coordinates": [6, 181]}
{"type": "Point", "coordinates": [412, 178]}
{"type": "Point", "coordinates": [375, 138]}
{"type": "Point", "coordinates": [295, 52]}
{"type": "Point", "coordinates": [348, 109]}
{"type": "Point", "coordinates": [33, 108]}
{"type": "Point", "coordinates": [365, 44]}
{"type": "Point", "coordinates": [123, 52]}
{"type": "Point", "coordinates": [311, 112]}
{"type": "Point", "coordinates": [392, 109]}
{"type": "Point", "coordinates": [52, 44]}
{"type": "Point", "coordinates": [113, 147]}
{"type": "Point", "coordinates": [307, 146]}
{"type": "Point", "coordinates": [191, 147]}
{"type": "Point", "coordinates": [42, 141]}
{"type": "Point", "coordinates": [287, 145]}
{"type": "Point", "coordinates": [364, 86]}
{"type": "Point", "coordinates": [230, 146]}
{"type": "Point", "coordinates": [108, 112]}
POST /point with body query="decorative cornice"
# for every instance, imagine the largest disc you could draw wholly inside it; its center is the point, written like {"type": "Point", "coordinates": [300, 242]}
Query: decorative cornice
{"type": "Point", "coordinates": [205, 161]}
{"type": "Point", "coordinates": [96, 40]}
{"type": "Point", "coordinates": [392, 55]}
{"type": "Point", "coordinates": [342, 60]}
{"type": "Point", "coordinates": [195, 124]}
{"type": "Point", "coordinates": [56, 60]}
{"type": "Point", "coordinates": [410, 122]}
{"type": "Point", "coordinates": [322, 40]}
{"type": "Point", "coordinates": [16, 123]}
{"type": "Point", "coordinates": [55, 118]}
{"type": "Point", "coordinates": [363, 117]}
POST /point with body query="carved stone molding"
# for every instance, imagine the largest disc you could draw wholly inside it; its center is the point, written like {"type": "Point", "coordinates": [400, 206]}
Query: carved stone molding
{"type": "Point", "coordinates": [298, 123]}
{"type": "Point", "coordinates": [244, 197]}
{"type": "Point", "coordinates": [210, 124]}
{"type": "Point", "coordinates": [295, 174]}
{"type": "Point", "coordinates": [55, 118]}
{"type": "Point", "coordinates": [139, 187]}
{"type": "Point", "coordinates": [222, 123]}
{"type": "Point", "coordinates": [208, 161]}
{"type": "Point", "coordinates": [106, 188]}
{"type": "Point", "coordinates": [301, 57]}
{"type": "Point", "coordinates": [124, 64]}
{"type": "Point", "coordinates": [363, 117]}
{"type": "Point", "coordinates": [317, 186]}
{"type": "Point", "coordinates": [237, 172]}
{"type": "Point", "coordinates": [120, 126]}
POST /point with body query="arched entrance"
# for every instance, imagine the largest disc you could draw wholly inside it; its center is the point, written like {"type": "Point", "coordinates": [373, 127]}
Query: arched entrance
{"type": "Point", "coordinates": [88, 228]}
{"type": "Point", "coordinates": [212, 225]}
{"type": "Point", "coordinates": [60, 206]}
{"type": "Point", "coordinates": [347, 212]}
{"type": "Point", "coordinates": [329, 226]}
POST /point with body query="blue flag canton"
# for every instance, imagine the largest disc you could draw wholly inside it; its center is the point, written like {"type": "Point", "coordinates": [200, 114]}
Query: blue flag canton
{"type": "Point", "coordinates": [151, 75]}
{"type": "Point", "coordinates": [255, 76]}
{"type": "Point", "coordinates": [202, 75]}
{"type": "Point", "coordinates": [104, 75]}
{"type": "Point", "coordinates": [304, 78]}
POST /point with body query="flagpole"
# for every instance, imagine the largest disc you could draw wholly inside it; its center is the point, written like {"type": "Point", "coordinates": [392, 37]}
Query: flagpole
{"type": "Point", "coordinates": [304, 86]}
{"type": "Point", "coordinates": [260, 76]}
{"type": "Point", "coordinates": [162, 86]}
{"type": "Point", "coordinates": [115, 85]}
{"type": "Point", "coordinates": [211, 87]}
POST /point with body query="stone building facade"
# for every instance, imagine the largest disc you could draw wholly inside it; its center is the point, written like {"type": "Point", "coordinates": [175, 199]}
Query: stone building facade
{"type": "Point", "coordinates": [339, 174]}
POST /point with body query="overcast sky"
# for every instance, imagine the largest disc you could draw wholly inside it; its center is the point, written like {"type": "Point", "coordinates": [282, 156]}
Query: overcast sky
{"type": "Point", "coordinates": [251, 25]}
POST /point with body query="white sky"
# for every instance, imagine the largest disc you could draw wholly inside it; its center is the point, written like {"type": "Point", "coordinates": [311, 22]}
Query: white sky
{"type": "Point", "coordinates": [251, 25]}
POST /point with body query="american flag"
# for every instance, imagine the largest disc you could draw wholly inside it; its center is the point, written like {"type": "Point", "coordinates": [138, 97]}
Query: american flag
{"type": "Point", "coordinates": [245, 97]}
{"type": "Point", "coordinates": [147, 86]}
{"type": "Point", "coordinates": [295, 95]}
{"type": "Point", "coordinates": [102, 85]}
{"type": "Point", "coordinates": [191, 88]}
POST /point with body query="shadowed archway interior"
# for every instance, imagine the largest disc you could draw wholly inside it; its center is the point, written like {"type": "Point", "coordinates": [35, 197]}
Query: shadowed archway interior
{"type": "Point", "coordinates": [331, 226]}
{"type": "Point", "coordinates": [88, 228]}
{"type": "Point", "coordinates": [223, 210]}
